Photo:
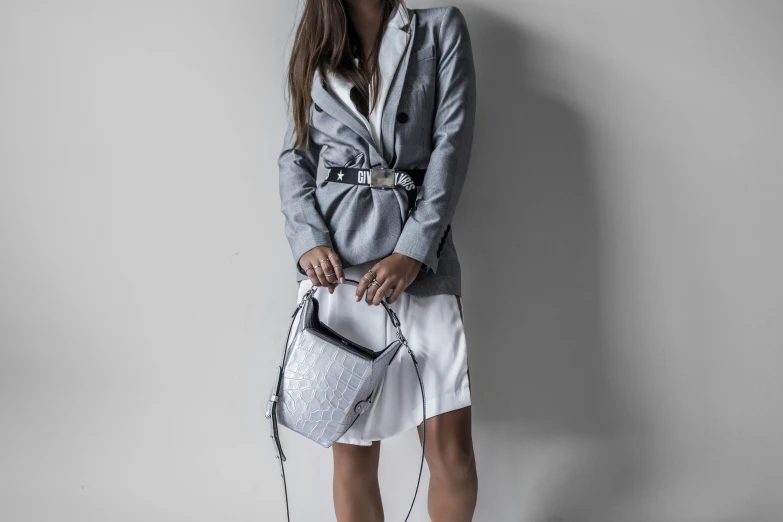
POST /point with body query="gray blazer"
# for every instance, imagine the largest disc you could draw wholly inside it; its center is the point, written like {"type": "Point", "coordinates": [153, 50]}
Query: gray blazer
{"type": "Point", "coordinates": [427, 122]}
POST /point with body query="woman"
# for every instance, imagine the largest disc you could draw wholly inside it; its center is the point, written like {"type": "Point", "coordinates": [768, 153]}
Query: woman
{"type": "Point", "coordinates": [374, 85]}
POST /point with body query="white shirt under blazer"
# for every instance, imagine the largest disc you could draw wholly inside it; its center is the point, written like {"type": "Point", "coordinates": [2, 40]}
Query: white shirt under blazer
{"type": "Point", "coordinates": [433, 324]}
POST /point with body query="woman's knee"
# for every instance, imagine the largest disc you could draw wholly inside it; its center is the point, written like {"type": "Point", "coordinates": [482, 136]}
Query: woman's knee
{"type": "Point", "coordinates": [452, 461]}
{"type": "Point", "coordinates": [449, 446]}
{"type": "Point", "coordinates": [352, 461]}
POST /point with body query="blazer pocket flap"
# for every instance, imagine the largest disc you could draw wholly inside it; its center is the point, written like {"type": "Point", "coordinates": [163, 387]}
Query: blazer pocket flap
{"type": "Point", "coordinates": [423, 53]}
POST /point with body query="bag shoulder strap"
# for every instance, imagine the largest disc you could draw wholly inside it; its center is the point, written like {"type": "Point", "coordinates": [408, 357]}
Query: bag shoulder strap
{"type": "Point", "coordinates": [271, 411]}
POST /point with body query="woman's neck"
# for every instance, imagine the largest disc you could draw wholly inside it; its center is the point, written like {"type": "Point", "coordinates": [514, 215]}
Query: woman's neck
{"type": "Point", "coordinates": [365, 15]}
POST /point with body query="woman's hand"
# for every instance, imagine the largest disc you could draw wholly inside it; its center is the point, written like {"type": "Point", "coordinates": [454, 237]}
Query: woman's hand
{"type": "Point", "coordinates": [323, 267]}
{"type": "Point", "coordinates": [396, 271]}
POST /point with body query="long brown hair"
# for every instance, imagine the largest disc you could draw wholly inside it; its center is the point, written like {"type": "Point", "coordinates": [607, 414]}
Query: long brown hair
{"type": "Point", "coordinates": [326, 41]}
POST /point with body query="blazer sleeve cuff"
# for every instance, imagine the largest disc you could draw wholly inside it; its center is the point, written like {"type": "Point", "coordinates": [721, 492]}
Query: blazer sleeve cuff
{"type": "Point", "coordinates": [420, 249]}
{"type": "Point", "coordinates": [303, 242]}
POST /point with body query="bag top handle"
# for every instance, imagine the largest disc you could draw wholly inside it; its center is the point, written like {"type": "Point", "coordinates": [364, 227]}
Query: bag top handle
{"type": "Point", "coordinates": [393, 316]}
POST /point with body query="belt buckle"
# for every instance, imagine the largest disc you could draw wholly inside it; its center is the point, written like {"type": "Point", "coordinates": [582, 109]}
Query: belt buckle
{"type": "Point", "coordinates": [381, 177]}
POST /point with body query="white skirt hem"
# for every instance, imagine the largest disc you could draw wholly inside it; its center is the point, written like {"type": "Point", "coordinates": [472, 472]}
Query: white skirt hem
{"type": "Point", "coordinates": [435, 406]}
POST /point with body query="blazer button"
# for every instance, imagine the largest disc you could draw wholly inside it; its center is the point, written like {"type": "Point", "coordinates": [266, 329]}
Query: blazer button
{"type": "Point", "coordinates": [402, 117]}
{"type": "Point", "coordinates": [317, 107]}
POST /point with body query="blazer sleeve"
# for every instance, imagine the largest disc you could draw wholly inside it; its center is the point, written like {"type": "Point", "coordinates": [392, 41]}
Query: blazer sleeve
{"type": "Point", "coordinates": [298, 167]}
{"type": "Point", "coordinates": [455, 102]}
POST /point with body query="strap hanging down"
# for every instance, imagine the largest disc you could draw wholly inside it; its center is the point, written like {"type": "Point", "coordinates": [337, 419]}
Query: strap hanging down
{"type": "Point", "coordinates": [271, 412]}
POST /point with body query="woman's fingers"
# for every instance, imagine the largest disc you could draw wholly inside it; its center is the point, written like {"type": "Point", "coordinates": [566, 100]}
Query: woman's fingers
{"type": "Point", "coordinates": [337, 266]}
{"type": "Point", "coordinates": [313, 276]}
{"type": "Point", "coordinates": [382, 291]}
{"type": "Point", "coordinates": [370, 294]}
{"type": "Point", "coordinates": [324, 278]}
{"type": "Point", "coordinates": [319, 268]}
{"type": "Point", "coordinates": [319, 275]}
{"type": "Point", "coordinates": [325, 269]}
{"type": "Point", "coordinates": [313, 272]}
{"type": "Point", "coordinates": [307, 266]}
{"type": "Point", "coordinates": [398, 289]}
{"type": "Point", "coordinates": [373, 294]}
{"type": "Point", "coordinates": [364, 282]}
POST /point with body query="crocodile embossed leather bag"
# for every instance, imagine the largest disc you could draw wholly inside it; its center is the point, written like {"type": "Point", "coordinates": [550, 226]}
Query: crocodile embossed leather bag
{"type": "Point", "coordinates": [325, 381]}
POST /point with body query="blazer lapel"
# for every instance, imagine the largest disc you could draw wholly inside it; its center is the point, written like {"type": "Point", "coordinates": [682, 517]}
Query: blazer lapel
{"type": "Point", "coordinates": [389, 116]}
{"type": "Point", "coordinates": [334, 107]}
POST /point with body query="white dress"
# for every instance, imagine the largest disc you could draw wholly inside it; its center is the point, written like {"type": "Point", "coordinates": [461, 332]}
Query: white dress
{"type": "Point", "coordinates": [433, 325]}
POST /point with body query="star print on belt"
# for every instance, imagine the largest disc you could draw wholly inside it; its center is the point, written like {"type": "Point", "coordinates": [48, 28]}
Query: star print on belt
{"type": "Point", "coordinates": [340, 175]}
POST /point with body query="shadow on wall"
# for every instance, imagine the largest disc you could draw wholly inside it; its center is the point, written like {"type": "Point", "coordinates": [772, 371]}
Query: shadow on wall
{"type": "Point", "coordinates": [528, 231]}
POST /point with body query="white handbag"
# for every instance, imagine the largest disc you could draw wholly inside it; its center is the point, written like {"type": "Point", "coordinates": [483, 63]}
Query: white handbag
{"type": "Point", "coordinates": [325, 382]}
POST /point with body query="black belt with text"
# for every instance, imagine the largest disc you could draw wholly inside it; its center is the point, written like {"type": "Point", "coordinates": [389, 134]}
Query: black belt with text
{"type": "Point", "coordinates": [378, 177]}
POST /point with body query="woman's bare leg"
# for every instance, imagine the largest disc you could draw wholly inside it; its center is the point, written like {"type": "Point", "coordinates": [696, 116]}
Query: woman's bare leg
{"type": "Point", "coordinates": [453, 479]}
{"type": "Point", "coordinates": [357, 494]}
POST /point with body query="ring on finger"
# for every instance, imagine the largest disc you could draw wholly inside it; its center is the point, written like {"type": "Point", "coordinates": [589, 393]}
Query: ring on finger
{"type": "Point", "coordinates": [375, 282]}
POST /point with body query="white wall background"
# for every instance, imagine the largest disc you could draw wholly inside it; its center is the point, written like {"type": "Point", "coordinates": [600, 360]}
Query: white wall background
{"type": "Point", "coordinates": [620, 235]}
